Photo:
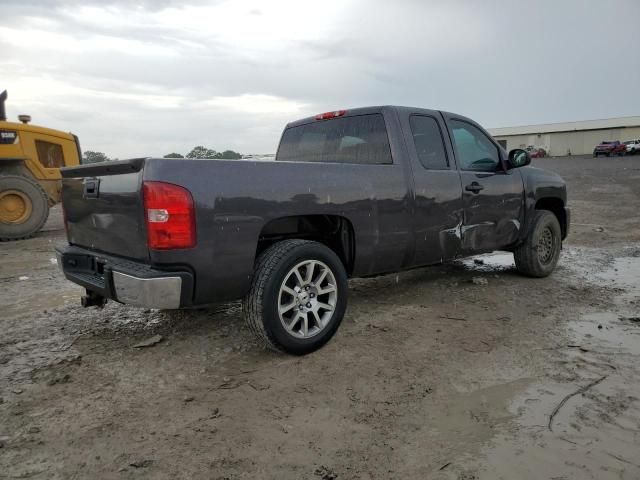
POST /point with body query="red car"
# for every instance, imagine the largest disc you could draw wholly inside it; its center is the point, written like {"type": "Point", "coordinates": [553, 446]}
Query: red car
{"type": "Point", "coordinates": [610, 148]}
{"type": "Point", "coordinates": [536, 152]}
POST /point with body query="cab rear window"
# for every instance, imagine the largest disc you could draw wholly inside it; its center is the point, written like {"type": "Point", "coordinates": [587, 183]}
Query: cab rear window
{"type": "Point", "coordinates": [359, 139]}
{"type": "Point", "coordinates": [50, 154]}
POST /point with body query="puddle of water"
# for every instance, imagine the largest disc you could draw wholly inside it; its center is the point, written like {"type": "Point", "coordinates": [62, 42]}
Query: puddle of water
{"type": "Point", "coordinates": [610, 330]}
{"type": "Point", "coordinates": [582, 445]}
{"type": "Point", "coordinates": [623, 273]}
{"type": "Point", "coordinates": [490, 262]}
{"type": "Point", "coordinates": [597, 267]}
{"type": "Point", "coordinates": [594, 435]}
{"type": "Point", "coordinates": [605, 330]}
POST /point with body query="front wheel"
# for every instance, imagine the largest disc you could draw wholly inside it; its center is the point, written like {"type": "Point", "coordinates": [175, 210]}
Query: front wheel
{"type": "Point", "coordinates": [298, 296]}
{"type": "Point", "coordinates": [539, 254]}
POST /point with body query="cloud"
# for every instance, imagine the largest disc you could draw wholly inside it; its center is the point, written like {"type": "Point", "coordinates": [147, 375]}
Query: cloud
{"type": "Point", "coordinates": [149, 77]}
{"type": "Point", "coordinates": [248, 103]}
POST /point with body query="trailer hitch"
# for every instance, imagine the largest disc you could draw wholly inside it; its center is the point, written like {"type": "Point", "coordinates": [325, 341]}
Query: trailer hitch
{"type": "Point", "coordinates": [92, 299]}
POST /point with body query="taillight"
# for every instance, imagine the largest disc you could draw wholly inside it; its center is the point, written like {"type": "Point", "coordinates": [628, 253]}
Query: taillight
{"type": "Point", "coordinates": [329, 115]}
{"type": "Point", "coordinates": [169, 215]}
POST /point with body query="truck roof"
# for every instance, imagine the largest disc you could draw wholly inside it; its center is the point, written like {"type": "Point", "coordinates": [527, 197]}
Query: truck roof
{"type": "Point", "coordinates": [368, 110]}
{"type": "Point", "coordinates": [27, 127]}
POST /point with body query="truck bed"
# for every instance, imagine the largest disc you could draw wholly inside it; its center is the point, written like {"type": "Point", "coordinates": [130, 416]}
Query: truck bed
{"type": "Point", "coordinates": [235, 199]}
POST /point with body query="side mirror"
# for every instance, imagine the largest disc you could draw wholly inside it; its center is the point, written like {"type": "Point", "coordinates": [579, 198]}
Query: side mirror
{"type": "Point", "coordinates": [519, 158]}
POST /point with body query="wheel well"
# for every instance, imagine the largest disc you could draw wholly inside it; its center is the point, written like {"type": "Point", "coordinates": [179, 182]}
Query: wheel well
{"type": "Point", "coordinates": [15, 167]}
{"type": "Point", "coordinates": [555, 206]}
{"type": "Point", "coordinates": [334, 231]}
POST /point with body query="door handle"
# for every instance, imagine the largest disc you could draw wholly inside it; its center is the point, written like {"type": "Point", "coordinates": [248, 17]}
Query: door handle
{"type": "Point", "coordinates": [474, 187]}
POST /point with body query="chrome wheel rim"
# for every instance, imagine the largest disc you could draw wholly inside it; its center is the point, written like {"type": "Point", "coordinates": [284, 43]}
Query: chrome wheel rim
{"type": "Point", "coordinates": [545, 246]}
{"type": "Point", "coordinates": [307, 299]}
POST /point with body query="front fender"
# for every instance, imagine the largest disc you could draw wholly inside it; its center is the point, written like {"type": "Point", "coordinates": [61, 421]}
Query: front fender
{"type": "Point", "coordinates": [542, 187]}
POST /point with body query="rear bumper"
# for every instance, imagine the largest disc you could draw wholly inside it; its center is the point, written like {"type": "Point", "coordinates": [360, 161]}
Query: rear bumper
{"type": "Point", "coordinates": [125, 281]}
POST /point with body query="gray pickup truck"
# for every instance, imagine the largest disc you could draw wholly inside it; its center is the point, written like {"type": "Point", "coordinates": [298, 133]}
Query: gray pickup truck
{"type": "Point", "coordinates": [351, 193]}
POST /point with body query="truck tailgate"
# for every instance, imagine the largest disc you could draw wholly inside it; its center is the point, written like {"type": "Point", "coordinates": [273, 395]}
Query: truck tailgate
{"type": "Point", "coordinates": [104, 209]}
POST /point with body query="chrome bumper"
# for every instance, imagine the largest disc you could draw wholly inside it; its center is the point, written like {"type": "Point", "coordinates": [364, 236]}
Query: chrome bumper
{"type": "Point", "coordinates": [125, 281]}
{"type": "Point", "coordinates": [163, 292]}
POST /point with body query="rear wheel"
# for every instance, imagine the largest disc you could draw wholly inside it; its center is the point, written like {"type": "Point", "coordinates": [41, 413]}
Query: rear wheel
{"type": "Point", "coordinates": [24, 207]}
{"type": "Point", "coordinates": [298, 296]}
{"type": "Point", "coordinates": [539, 254]}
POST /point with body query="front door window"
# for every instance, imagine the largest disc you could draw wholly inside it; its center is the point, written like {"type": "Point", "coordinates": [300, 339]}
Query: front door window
{"type": "Point", "coordinates": [474, 150]}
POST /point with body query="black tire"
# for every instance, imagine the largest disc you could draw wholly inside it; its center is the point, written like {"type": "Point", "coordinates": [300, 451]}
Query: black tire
{"type": "Point", "coordinates": [39, 207]}
{"type": "Point", "coordinates": [260, 306]}
{"type": "Point", "coordinates": [532, 258]}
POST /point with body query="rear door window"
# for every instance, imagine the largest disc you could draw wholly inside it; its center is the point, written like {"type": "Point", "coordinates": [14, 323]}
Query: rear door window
{"type": "Point", "coordinates": [360, 139]}
{"type": "Point", "coordinates": [427, 138]}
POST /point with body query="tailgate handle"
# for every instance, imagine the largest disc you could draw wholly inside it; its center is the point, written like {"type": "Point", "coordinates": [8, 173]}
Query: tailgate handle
{"type": "Point", "coordinates": [91, 188]}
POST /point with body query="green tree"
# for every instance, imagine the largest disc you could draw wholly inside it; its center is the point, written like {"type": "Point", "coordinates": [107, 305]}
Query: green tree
{"type": "Point", "coordinates": [94, 157]}
{"type": "Point", "coordinates": [173, 155]}
{"type": "Point", "coordinates": [202, 152]}
{"type": "Point", "coordinates": [229, 154]}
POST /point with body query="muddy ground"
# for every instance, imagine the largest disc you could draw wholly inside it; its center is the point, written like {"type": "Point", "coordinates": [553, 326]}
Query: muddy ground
{"type": "Point", "coordinates": [431, 376]}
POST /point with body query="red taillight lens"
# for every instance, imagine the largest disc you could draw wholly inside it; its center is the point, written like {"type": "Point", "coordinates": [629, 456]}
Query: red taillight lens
{"type": "Point", "coordinates": [328, 115]}
{"type": "Point", "coordinates": [170, 217]}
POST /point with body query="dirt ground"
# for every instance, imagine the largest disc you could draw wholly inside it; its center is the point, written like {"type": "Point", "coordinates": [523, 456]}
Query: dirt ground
{"type": "Point", "coordinates": [431, 376]}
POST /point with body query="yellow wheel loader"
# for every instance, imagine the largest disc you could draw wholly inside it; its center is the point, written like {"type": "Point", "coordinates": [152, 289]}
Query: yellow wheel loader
{"type": "Point", "coordinates": [30, 182]}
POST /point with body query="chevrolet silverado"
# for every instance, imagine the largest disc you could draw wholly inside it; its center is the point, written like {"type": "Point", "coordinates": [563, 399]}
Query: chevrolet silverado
{"type": "Point", "coordinates": [351, 193]}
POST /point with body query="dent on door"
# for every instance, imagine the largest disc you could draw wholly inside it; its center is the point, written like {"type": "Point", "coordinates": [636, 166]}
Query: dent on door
{"type": "Point", "coordinates": [493, 216]}
{"type": "Point", "coordinates": [490, 235]}
{"type": "Point", "coordinates": [493, 197]}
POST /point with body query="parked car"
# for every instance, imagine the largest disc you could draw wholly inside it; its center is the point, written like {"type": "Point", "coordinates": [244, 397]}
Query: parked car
{"type": "Point", "coordinates": [632, 146]}
{"type": "Point", "coordinates": [536, 152]}
{"type": "Point", "coordinates": [351, 193]}
{"type": "Point", "coordinates": [610, 148]}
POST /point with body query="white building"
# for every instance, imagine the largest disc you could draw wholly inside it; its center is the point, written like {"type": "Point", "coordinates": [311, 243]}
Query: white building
{"type": "Point", "coordinates": [573, 138]}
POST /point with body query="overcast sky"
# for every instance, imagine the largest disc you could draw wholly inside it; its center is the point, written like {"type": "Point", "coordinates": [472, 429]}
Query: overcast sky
{"type": "Point", "coordinates": [152, 77]}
